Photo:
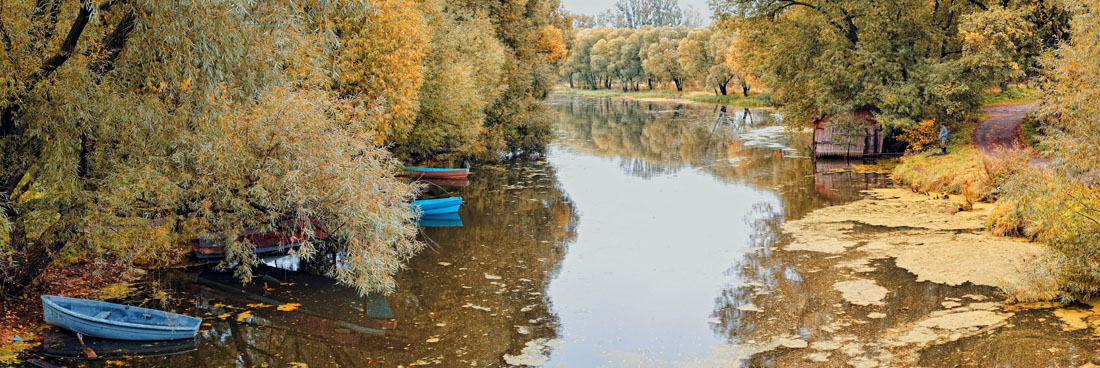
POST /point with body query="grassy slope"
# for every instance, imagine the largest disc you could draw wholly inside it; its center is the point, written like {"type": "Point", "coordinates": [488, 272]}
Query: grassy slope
{"type": "Point", "coordinates": [964, 170]}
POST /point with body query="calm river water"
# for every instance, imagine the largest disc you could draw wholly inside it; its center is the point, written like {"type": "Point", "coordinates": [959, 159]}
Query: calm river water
{"type": "Point", "coordinates": [645, 237]}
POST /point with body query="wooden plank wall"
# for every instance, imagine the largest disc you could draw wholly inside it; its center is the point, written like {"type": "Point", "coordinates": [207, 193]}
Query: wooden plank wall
{"type": "Point", "coordinates": [871, 145]}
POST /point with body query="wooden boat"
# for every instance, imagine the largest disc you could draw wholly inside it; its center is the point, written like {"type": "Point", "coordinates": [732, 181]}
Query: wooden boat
{"type": "Point", "coordinates": [117, 321]}
{"type": "Point", "coordinates": [288, 235]}
{"type": "Point", "coordinates": [435, 173]}
{"type": "Point", "coordinates": [440, 220]}
{"type": "Point", "coordinates": [438, 206]}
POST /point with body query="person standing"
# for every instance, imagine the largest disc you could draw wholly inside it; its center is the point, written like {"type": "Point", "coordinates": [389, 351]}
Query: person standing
{"type": "Point", "coordinates": [943, 139]}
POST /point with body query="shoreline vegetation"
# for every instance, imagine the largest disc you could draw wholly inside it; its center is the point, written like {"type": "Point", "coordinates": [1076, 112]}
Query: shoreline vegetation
{"type": "Point", "coordinates": [753, 101]}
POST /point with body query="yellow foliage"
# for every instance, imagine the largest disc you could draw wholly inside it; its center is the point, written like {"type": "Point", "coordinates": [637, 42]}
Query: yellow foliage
{"type": "Point", "coordinates": [551, 44]}
{"type": "Point", "coordinates": [922, 136]}
{"type": "Point", "coordinates": [288, 307]}
{"type": "Point", "coordinates": [380, 64]}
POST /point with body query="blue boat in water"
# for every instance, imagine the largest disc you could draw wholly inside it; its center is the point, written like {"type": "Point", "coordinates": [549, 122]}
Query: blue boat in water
{"type": "Point", "coordinates": [117, 321]}
{"type": "Point", "coordinates": [438, 206]}
{"type": "Point", "coordinates": [441, 220]}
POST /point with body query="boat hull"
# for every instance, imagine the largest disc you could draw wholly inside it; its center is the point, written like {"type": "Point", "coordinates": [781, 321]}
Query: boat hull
{"type": "Point", "coordinates": [127, 322]}
{"type": "Point", "coordinates": [440, 220]}
{"type": "Point", "coordinates": [287, 236]}
{"type": "Point", "coordinates": [432, 173]}
{"type": "Point", "coordinates": [438, 206]}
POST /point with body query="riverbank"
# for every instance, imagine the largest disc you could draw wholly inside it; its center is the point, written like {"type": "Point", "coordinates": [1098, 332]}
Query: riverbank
{"type": "Point", "coordinates": [21, 321]}
{"type": "Point", "coordinates": [755, 101]}
{"type": "Point", "coordinates": [908, 279]}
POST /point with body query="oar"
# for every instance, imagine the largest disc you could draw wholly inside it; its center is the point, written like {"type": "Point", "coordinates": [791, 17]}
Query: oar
{"type": "Point", "coordinates": [87, 351]}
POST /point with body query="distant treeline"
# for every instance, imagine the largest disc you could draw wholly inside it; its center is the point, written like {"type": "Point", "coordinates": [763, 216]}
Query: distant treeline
{"type": "Point", "coordinates": [628, 58]}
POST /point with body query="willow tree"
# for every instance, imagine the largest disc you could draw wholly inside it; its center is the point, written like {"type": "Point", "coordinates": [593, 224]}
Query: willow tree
{"type": "Point", "coordinates": [129, 127]}
{"type": "Point", "coordinates": [579, 61]}
{"type": "Point", "coordinates": [463, 72]}
{"type": "Point", "coordinates": [910, 60]}
{"type": "Point", "coordinates": [703, 55]}
{"type": "Point", "coordinates": [518, 121]}
{"type": "Point", "coordinates": [379, 63]}
{"type": "Point", "coordinates": [1061, 200]}
{"type": "Point", "coordinates": [661, 59]}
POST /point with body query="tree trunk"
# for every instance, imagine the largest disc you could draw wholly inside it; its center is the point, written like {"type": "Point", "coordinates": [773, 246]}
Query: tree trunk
{"type": "Point", "coordinates": [570, 80]}
{"type": "Point", "coordinates": [745, 88]}
{"type": "Point", "coordinates": [650, 82]}
{"type": "Point", "coordinates": [722, 88]}
{"type": "Point", "coordinates": [679, 84]}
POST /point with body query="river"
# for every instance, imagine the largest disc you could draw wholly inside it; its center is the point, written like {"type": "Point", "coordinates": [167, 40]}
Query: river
{"type": "Point", "coordinates": [647, 236]}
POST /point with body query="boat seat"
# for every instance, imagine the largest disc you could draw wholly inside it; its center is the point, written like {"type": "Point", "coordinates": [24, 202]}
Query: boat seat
{"type": "Point", "coordinates": [103, 315]}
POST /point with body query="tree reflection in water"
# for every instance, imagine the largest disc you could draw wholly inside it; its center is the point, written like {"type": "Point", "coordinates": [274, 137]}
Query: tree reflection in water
{"type": "Point", "coordinates": [473, 296]}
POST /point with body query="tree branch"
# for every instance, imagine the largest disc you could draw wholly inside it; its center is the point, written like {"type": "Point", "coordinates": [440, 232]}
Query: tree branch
{"type": "Point", "coordinates": [114, 43]}
{"type": "Point", "coordinates": [12, 103]}
{"type": "Point", "coordinates": [4, 35]}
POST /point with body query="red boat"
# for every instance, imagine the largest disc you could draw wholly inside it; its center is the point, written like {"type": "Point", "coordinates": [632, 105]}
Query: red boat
{"type": "Point", "coordinates": [289, 234]}
{"type": "Point", "coordinates": [434, 173]}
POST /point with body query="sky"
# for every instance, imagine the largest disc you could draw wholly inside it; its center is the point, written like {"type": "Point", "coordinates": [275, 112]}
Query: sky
{"type": "Point", "coordinates": [593, 7]}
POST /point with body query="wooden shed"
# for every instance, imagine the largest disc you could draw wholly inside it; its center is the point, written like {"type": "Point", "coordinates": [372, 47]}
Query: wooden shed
{"type": "Point", "coordinates": [867, 143]}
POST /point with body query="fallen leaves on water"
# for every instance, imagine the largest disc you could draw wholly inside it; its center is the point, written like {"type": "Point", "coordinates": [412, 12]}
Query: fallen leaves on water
{"type": "Point", "coordinates": [224, 315]}
{"type": "Point", "coordinates": [288, 307]}
{"type": "Point", "coordinates": [243, 316]}
{"type": "Point", "coordinates": [433, 339]}
{"type": "Point", "coordinates": [444, 263]}
{"type": "Point", "coordinates": [297, 365]}
{"type": "Point", "coordinates": [258, 305]}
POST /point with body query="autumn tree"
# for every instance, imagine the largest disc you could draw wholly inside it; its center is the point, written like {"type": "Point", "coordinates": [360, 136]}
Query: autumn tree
{"type": "Point", "coordinates": [463, 72]}
{"type": "Point", "coordinates": [518, 122]}
{"type": "Point", "coordinates": [578, 64]}
{"type": "Point", "coordinates": [661, 59]}
{"type": "Point", "coordinates": [703, 55]}
{"type": "Point", "coordinates": [1061, 202]}
{"type": "Point", "coordinates": [128, 127]}
{"type": "Point", "coordinates": [382, 73]}
{"type": "Point", "coordinates": [908, 60]}
{"type": "Point", "coordinates": [740, 60]}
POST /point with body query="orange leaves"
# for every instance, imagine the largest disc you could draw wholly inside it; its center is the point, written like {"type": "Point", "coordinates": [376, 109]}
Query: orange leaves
{"type": "Point", "coordinates": [381, 63]}
{"type": "Point", "coordinates": [551, 44]}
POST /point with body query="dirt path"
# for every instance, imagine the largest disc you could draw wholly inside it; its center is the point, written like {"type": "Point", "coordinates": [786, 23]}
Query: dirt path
{"type": "Point", "coordinates": [1002, 129]}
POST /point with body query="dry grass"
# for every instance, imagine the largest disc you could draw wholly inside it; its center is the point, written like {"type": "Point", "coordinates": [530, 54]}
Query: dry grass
{"type": "Point", "coordinates": [964, 171]}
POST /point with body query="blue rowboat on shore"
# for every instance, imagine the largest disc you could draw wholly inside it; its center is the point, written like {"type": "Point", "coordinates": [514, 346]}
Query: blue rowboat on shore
{"type": "Point", "coordinates": [438, 206]}
{"type": "Point", "coordinates": [117, 321]}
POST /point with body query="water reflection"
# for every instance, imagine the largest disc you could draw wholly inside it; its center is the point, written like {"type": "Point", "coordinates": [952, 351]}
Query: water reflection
{"type": "Point", "coordinates": [65, 345]}
{"type": "Point", "coordinates": [474, 296]}
{"type": "Point", "coordinates": [647, 237]}
{"type": "Point", "coordinates": [662, 190]}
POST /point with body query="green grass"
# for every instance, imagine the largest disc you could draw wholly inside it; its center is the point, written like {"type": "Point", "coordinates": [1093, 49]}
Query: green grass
{"type": "Point", "coordinates": [1013, 94]}
{"type": "Point", "coordinates": [758, 100]}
